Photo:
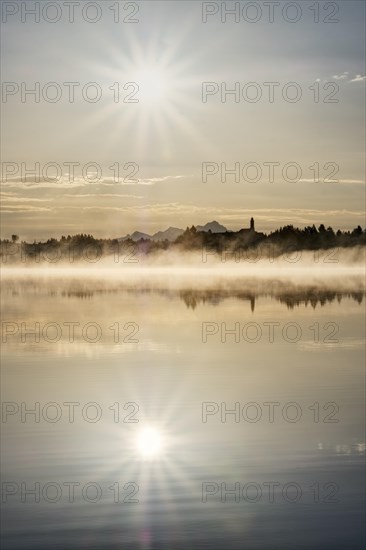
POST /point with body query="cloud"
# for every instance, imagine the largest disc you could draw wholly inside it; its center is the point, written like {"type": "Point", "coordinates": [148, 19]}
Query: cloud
{"type": "Point", "coordinates": [279, 215]}
{"type": "Point", "coordinates": [342, 76]}
{"type": "Point", "coordinates": [12, 209]}
{"type": "Point", "coordinates": [345, 76]}
{"type": "Point", "coordinates": [11, 198]}
{"type": "Point", "coordinates": [102, 195]}
{"type": "Point", "coordinates": [305, 180]}
{"type": "Point", "coordinates": [152, 181]}
{"type": "Point", "coordinates": [12, 204]}
{"type": "Point", "coordinates": [358, 78]}
{"type": "Point", "coordinates": [28, 182]}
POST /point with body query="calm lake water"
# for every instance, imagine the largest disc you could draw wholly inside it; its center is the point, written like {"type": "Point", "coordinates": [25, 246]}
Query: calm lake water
{"type": "Point", "coordinates": [256, 435]}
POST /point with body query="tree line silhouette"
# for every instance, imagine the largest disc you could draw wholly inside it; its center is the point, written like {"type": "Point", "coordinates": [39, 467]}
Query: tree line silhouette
{"type": "Point", "coordinates": [85, 246]}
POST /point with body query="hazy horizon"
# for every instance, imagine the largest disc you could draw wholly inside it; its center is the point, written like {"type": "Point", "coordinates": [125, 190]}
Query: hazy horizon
{"type": "Point", "coordinates": [53, 235]}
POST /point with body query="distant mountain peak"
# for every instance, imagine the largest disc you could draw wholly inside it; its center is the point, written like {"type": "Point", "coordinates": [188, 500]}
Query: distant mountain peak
{"type": "Point", "coordinates": [214, 226]}
{"type": "Point", "coordinates": [135, 236]}
{"type": "Point", "coordinates": [172, 233]}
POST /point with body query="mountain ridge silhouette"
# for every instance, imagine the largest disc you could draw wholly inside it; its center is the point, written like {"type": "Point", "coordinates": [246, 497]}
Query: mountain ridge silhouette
{"type": "Point", "coordinates": [172, 233]}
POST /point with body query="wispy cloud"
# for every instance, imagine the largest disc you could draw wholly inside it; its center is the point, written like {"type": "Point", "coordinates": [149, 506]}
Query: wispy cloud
{"type": "Point", "coordinates": [102, 195]}
{"type": "Point", "coordinates": [288, 215]}
{"type": "Point", "coordinates": [11, 198]}
{"type": "Point", "coordinates": [358, 78]}
{"type": "Point", "coordinates": [152, 181]}
{"type": "Point", "coordinates": [342, 76]}
{"type": "Point", "coordinates": [362, 182]}
{"type": "Point", "coordinates": [10, 203]}
{"type": "Point", "coordinates": [28, 182]}
{"type": "Point", "coordinates": [10, 209]}
{"type": "Point", "coordinates": [346, 77]}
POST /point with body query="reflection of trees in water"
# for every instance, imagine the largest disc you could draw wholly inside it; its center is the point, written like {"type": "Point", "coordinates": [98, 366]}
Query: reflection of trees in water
{"type": "Point", "coordinates": [290, 295]}
{"type": "Point", "coordinates": [192, 298]}
{"type": "Point", "coordinates": [320, 297]}
{"type": "Point", "coordinates": [313, 298]}
{"type": "Point", "coordinates": [82, 294]}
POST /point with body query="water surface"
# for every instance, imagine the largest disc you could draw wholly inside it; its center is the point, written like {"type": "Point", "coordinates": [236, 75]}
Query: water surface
{"type": "Point", "coordinates": [170, 362]}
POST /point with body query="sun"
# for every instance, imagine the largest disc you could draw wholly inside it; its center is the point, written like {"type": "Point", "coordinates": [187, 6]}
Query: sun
{"type": "Point", "coordinates": [152, 83]}
{"type": "Point", "coordinates": [150, 443]}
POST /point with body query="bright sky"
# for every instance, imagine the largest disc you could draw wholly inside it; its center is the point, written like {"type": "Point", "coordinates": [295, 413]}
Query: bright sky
{"type": "Point", "coordinates": [162, 134]}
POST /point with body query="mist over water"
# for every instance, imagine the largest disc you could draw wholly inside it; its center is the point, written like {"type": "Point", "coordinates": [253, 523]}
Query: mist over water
{"type": "Point", "coordinates": [337, 271]}
{"type": "Point", "coordinates": [254, 262]}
